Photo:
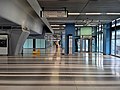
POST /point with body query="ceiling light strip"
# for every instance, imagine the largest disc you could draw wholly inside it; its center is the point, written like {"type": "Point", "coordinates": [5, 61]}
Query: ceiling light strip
{"type": "Point", "coordinates": [112, 13]}
{"type": "Point", "coordinates": [75, 14]}
{"type": "Point", "coordinates": [55, 25]}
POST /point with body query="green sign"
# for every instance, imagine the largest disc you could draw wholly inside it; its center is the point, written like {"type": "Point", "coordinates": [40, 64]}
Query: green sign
{"type": "Point", "coordinates": [86, 31]}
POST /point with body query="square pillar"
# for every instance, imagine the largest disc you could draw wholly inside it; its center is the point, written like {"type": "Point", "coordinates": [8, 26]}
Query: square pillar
{"type": "Point", "coordinates": [69, 31]}
{"type": "Point", "coordinates": [106, 39]}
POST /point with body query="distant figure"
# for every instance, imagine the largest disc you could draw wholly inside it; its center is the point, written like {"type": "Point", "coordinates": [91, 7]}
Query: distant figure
{"type": "Point", "coordinates": [57, 45]}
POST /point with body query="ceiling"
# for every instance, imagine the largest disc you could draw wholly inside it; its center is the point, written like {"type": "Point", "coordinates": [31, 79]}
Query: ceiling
{"type": "Point", "coordinates": [82, 6]}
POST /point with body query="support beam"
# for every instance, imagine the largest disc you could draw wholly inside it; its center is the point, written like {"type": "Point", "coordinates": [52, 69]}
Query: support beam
{"type": "Point", "coordinates": [16, 41]}
{"type": "Point", "coordinates": [21, 13]}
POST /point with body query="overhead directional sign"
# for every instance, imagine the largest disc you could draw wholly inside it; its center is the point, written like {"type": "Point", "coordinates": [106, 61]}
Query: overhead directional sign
{"type": "Point", "coordinates": [54, 14]}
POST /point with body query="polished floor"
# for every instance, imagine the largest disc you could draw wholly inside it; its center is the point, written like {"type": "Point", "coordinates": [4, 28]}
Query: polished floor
{"type": "Point", "coordinates": [53, 71]}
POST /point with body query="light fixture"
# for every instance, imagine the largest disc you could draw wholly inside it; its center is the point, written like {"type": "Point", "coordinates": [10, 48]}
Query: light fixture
{"type": "Point", "coordinates": [78, 25]}
{"type": "Point", "coordinates": [112, 13]}
{"type": "Point", "coordinates": [76, 14]}
{"type": "Point", "coordinates": [91, 25]}
{"type": "Point", "coordinates": [93, 13]}
{"type": "Point", "coordinates": [55, 25]}
{"type": "Point", "coordinates": [84, 14]}
{"type": "Point", "coordinates": [57, 28]}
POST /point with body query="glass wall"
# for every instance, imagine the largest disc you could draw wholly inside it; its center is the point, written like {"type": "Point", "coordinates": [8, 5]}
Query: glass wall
{"type": "Point", "coordinates": [78, 45]}
{"type": "Point", "coordinates": [40, 43]}
{"type": "Point", "coordinates": [97, 40]}
{"type": "Point", "coordinates": [101, 43]}
{"type": "Point", "coordinates": [100, 38]}
{"type": "Point", "coordinates": [28, 43]}
{"type": "Point", "coordinates": [113, 43]}
{"type": "Point", "coordinates": [118, 43]}
{"type": "Point", "coordinates": [93, 45]}
{"type": "Point", "coordinates": [87, 45]}
{"type": "Point", "coordinates": [28, 46]}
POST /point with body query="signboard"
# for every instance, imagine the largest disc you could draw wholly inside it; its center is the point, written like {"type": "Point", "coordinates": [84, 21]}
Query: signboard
{"type": "Point", "coordinates": [86, 31]}
{"type": "Point", "coordinates": [54, 14]}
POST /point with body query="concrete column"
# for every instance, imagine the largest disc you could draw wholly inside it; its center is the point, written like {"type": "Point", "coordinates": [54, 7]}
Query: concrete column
{"type": "Point", "coordinates": [16, 41]}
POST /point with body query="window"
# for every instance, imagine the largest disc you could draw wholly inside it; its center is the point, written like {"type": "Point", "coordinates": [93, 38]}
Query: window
{"type": "Point", "coordinates": [113, 43]}
{"type": "Point", "coordinates": [118, 42]}
{"type": "Point", "coordinates": [101, 43]}
{"type": "Point", "coordinates": [97, 43]}
{"type": "Point", "coordinates": [40, 43]}
{"type": "Point", "coordinates": [28, 43]}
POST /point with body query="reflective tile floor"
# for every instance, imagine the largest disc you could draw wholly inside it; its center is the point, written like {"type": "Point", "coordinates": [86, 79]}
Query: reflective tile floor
{"type": "Point", "coordinates": [53, 71]}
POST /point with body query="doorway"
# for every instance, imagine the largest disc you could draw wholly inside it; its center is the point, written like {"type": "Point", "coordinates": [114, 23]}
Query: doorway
{"type": "Point", "coordinates": [86, 45]}
{"type": "Point", "coordinates": [69, 44]}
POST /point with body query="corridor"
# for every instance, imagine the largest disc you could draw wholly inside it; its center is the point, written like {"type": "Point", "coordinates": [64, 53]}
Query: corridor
{"type": "Point", "coordinates": [82, 71]}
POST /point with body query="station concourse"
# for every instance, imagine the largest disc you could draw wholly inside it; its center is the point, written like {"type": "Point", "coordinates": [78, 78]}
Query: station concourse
{"type": "Point", "coordinates": [59, 45]}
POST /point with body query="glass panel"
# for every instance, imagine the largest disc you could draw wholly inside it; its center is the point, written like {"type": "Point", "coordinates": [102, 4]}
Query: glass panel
{"type": "Point", "coordinates": [78, 45]}
{"type": "Point", "coordinates": [63, 41]}
{"type": "Point", "coordinates": [83, 45]}
{"type": "Point", "coordinates": [118, 43]}
{"type": "Point", "coordinates": [113, 47]}
{"type": "Point", "coordinates": [70, 44]}
{"type": "Point", "coordinates": [87, 45]}
{"type": "Point", "coordinates": [113, 34]}
{"type": "Point", "coordinates": [78, 32]}
{"type": "Point", "coordinates": [113, 43]}
{"type": "Point", "coordinates": [28, 43]}
{"type": "Point", "coordinates": [93, 45]}
{"type": "Point", "coordinates": [101, 43]}
{"type": "Point", "coordinates": [40, 43]}
{"type": "Point", "coordinates": [97, 43]}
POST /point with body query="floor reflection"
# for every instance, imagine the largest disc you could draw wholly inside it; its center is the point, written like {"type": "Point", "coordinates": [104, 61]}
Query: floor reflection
{"type": "Point", "coordinates": [55, 69]}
